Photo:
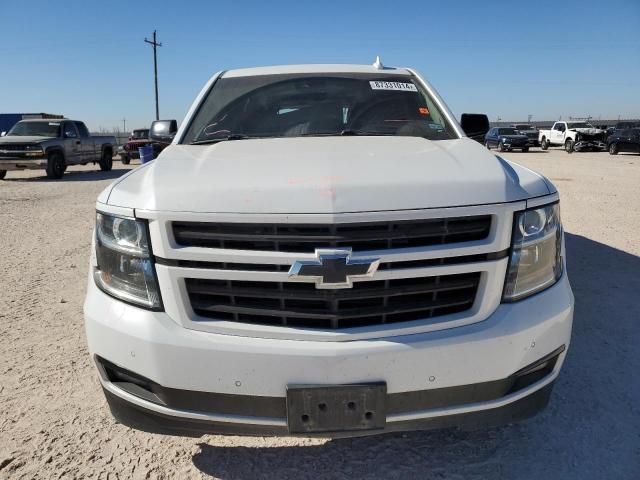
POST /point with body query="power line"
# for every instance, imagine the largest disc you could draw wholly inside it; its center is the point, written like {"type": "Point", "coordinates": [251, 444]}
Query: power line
{"type": "Point", "coordinates": [155, 45]}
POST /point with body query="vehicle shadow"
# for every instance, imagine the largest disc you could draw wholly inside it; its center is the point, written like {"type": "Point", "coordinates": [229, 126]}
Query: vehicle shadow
{"type": "Point", "coordinates": [593, 408]}
{"type": "Point", "coordinates": [533, 150]}
{"type": "Point", "coordinates": [74, 176]}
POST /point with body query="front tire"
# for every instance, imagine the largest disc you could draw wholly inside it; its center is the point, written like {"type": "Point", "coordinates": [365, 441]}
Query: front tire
{"type": "Point", "coordinates": [544, 144]}
{"type": "Point", "coordinates": [106, 162]}
{"type": "Point", "coordinates": [125, 159]}
{"type": "Point", "coordinates": [568, 146]}
{"type": "Point", "coordinates": [55, 166]}
{"type": "Point", "coordinates": [613, 149]}
{"type": "Point", "coordinates": [525, 149]}
{"type": "Point", "coordinates": [501, 147]}
{"type": "Point", "coordinates": [3, 173]}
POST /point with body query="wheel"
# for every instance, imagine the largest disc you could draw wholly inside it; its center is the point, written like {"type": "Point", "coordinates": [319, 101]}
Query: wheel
{"type": "Point", "coordinates": [125, 159]}
{"type": "Point", "coordinates": [525, 149]}
{"type": "Point", "coordinates": [544, 144]}
{"type": "Point", "coordinates": [3, 173]}
{"type": "Point", "coordinates": [613, 149]}
{"type": "Point", "coordinates": [486, 144]}
{"type": "Point", "coordinates": [501, 147]}
{"type": "Point", "coordinates": [568, 145]}
{"type": "Point", "coordinates": [106, 162]}
{"type": "Point", "coordinates": [56, 165]}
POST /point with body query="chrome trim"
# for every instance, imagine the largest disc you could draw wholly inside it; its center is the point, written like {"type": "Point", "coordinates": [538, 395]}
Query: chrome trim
{"type": "Point", "coordinates": [333, 254]}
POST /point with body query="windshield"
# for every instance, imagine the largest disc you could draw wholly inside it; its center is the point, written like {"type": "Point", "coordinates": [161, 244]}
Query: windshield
{"type": "Point", "coordinates": [524, 127]}
{"type": "Point", "coordinates": [580, 125]}
{"type": "Point", "coordinates": [294, 105]}
{"type": "Point", "coordinates": [35, 129]}
{"type": "Point", "coordinates": [507, 131]}
{"type": "Point", "coordinates": [140, 134]}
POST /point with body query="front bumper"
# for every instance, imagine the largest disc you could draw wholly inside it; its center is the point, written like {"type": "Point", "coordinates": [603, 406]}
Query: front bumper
{"type": "Point", "coordinates": [589, 145]}
{"type": "Point", "coordinates": [206, 382]}
{"type": "Point", "coordinates": [517, 144]}
{"type": "Point", "coordinates": [23, 163]}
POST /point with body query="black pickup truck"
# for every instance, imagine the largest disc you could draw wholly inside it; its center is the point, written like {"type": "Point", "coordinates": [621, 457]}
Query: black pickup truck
{"type": "Point", "coordinates": [53, 145]}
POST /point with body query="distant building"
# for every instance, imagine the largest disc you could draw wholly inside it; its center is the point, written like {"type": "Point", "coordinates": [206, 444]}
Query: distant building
{"type": "Point", "coordinates": [8, 120]}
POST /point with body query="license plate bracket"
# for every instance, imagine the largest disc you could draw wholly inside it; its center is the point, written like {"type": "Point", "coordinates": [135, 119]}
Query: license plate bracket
{"type": "Point", "coordinates": [336, 408]}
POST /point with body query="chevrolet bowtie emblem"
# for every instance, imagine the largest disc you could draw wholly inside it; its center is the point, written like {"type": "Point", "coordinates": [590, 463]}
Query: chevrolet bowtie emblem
{"type": "Point", "coordinates": [333, 268]}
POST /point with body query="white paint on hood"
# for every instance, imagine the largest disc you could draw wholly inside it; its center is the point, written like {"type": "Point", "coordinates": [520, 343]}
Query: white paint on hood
{"type": "Point", "coordinates": [325, 175]}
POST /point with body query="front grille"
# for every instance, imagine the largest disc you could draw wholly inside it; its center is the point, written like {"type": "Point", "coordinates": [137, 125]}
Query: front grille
{"type": "Point", "coordinates": [302, 305]}
{"type": "Point", "coordinates": [13, 146]}
{"type": "Point", "coordinates": [282, 237]}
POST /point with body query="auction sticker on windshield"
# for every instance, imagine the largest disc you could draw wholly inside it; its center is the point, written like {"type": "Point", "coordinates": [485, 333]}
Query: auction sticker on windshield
{"type": "Point", "coordinates": [399, 86]}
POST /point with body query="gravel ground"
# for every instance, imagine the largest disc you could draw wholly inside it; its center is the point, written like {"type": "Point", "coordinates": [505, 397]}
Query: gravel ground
{"type": "Point", "coordinates": [54, 421]}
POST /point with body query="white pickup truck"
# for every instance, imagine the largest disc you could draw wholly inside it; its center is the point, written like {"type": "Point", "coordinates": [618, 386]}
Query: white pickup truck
{"type": "Point", "coordinates": [322, 251]}
{"type": "Point", "coordinates": [578, 136]}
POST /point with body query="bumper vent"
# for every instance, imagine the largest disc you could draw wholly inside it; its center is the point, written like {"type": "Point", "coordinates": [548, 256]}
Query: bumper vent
{"type": "Point", "coordinates": [305, 238]}
{"type": "Point", "coordinates": [302, 305]}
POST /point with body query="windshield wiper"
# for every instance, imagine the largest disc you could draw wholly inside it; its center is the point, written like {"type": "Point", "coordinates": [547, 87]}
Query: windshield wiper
{"type": "Point", "coordinates": [364, 133]}
{"type": "Point", "coordinates": [233, 136]}
{"type": "Point", "coordinates": [343, 133]}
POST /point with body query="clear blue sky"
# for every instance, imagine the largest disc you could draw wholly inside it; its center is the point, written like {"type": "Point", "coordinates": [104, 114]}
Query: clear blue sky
{"type": "Point", "coordinates": [87, 59]}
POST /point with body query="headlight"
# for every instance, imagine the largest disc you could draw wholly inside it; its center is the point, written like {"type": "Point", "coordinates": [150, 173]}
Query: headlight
{"type": "Point", "coordinates": [536, 245]}
{"type": "Point", "coordinates": [33, 151]}
{"type": "Point", "coordinates": [125, 268]}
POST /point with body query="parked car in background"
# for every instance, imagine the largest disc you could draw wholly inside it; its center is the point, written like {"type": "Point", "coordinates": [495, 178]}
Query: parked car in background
{"type": "Point", "coordinates": [627, 140]}
{"type": "Point", "coordinates": [145, 136]}
{"type": "Point", "coordinates": [626, 125]}
{"type": "Point", "coordinates": [506, 138]}
{"type": "Point", "coordinates": [578, 136]}
{"type": "Point", "coordinates": [139, 138]}
{"type": "Point", "coordinates": [292, 266]}
{"type": "Point", "coordinates": [530, 131]}
{"type": "Point", "coordinates": [53, 145]}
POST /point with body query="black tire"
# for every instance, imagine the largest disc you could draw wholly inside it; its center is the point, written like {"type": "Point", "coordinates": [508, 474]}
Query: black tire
{"type": "Point", "coordinates": [525, 149]}
{"type": "Point", "coordinates": [125, 159]}
{"type": "Point", "coordinates": [613, 148]}
{"type": "Point", "coordinates": [501, 147]}
{"type": "Point", "coordinates": [568, 145]}
{"type": "Point", "coordinates": [3, 173]}
{"type": "Point", "coordinates": [544, 144]}
{"type": "Point", "coordinates": [106, 162]}
{"type": "Point", "coordinates": [56, 165]}
{"type": "Point", "coordinates": [486, 144]}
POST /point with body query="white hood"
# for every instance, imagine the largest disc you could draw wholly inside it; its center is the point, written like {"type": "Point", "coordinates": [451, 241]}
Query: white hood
{"type": "Point", "coordinates": [324, 175]}
{"type": "Point", "coordinates": [588, 131]}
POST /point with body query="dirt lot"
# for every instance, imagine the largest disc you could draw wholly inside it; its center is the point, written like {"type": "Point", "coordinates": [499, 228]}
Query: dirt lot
{"type": "Point", "coordinates": [54, 421]}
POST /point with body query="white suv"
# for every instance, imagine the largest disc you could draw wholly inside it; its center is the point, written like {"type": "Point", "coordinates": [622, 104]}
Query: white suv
{"type": "Point", "coordinates": [322, 251]}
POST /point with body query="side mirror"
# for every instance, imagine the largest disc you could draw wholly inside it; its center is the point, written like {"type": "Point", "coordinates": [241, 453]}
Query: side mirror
{"type": "Point", "coordinates": [163, 130]}
{"type": "Point", "coordinates": [475, 125]}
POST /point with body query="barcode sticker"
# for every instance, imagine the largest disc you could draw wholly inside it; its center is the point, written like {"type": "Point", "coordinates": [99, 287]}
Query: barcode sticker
{"type": "Point", "coordinates": [398, 86]}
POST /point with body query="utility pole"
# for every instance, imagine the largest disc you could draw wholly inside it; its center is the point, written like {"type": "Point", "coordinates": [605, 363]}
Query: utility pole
{"type": "Point", "coordinates": [155, 68]}
{"type": "Point", "coordinates": [529, 117]}
{"type": "Point", "coordinates": [124, 125]}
